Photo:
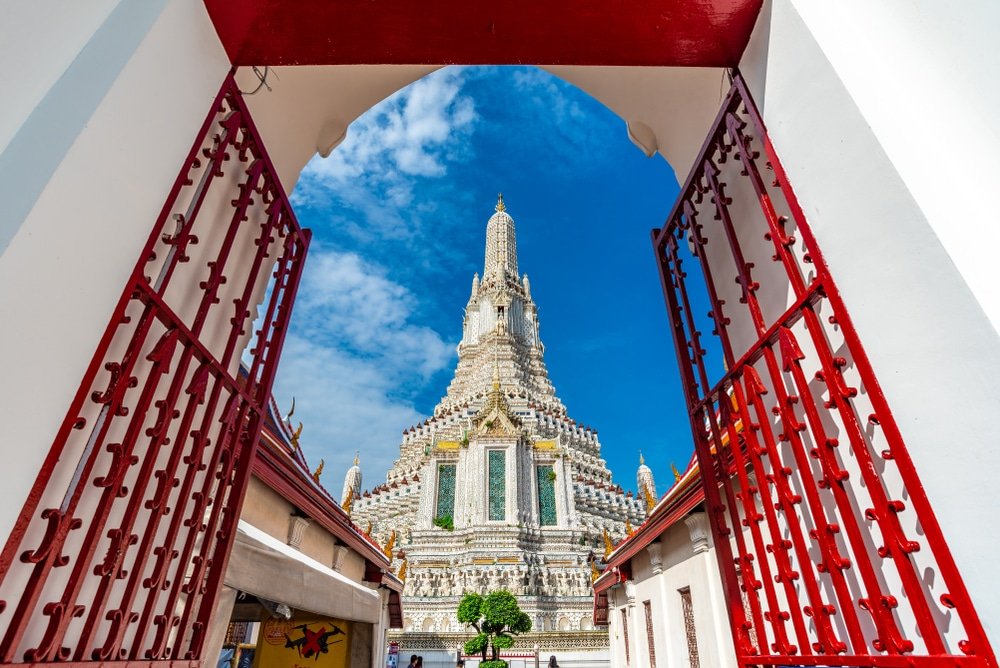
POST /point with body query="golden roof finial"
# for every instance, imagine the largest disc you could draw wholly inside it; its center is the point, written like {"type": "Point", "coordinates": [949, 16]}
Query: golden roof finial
{"type": "Point", "coordinates": [609, 546]}
{"type": "Point", "coordinates": [501, 207]}
{"type": "Point", "coordinates": [319, 470]}
{"type": "Point", "coordinates": [650, 499]}
{"type": "Point", "coordinates": [349, 501]}
{"type": "Point", "coordinates": [673, 469]}
{"type": "Point", "coordinates": [594, 573]}
{"type": "Point", "coordinates": [387, 550]}
{"type": "Point", "coordinates": [368, 529]}
{"type": "Point", "coordinates": [295, 437]}
{"type": "Point", "coordinates": [628, 528]}
{"type": "Point", "coordinates": [357, 457]}
{"type": "Point", "coordinates": [402, 572]}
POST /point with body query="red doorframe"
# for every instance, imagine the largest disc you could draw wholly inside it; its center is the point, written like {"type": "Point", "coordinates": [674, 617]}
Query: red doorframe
{"type": "Point", "coordinates": [708, 33]}
{"type": "Point", "coordinates": [799, 467]}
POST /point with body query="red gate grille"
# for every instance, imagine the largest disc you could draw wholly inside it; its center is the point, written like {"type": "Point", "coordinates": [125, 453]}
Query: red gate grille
{"type": "Point", "coordinates": [818, 516]}
{"type": "Point", "coordinates": [120, 550]}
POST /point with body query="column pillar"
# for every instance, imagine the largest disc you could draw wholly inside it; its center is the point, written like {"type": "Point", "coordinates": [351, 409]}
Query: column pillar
{"type": "Point", "coordinates": [707, 570]}
{"type": "Point", "coordinates": [428, 499]}
{"type": "Point", "coordinates": [633, 645]}
{"type": "Point", "coordinates": [655, 551]}
{"type": "Point", "coordinates": [218, 627]}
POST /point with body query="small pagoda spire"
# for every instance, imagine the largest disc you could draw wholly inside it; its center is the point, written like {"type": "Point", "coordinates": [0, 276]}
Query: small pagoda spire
{"type": "Point", "coordinates": [352, 484]}
{"type": "Point", "coordinates": [646, 483]}
{"type": "Point", "coordinates": [501, 245]}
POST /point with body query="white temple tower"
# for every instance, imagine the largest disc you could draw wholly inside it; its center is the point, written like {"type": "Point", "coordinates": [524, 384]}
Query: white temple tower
{"type": "Point", "coordinates": [645, 484]}
{"type": "Point", "coordinates": [352, 483]}
{"type": "Point", "coordinates": [500, 488]}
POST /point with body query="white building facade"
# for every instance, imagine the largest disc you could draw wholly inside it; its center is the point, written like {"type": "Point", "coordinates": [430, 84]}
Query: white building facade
{"type": "Point", "coordinates": [660, 595]}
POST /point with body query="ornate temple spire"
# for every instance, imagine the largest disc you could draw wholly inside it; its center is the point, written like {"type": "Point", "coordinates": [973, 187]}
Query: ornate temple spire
{"type": "Point", "coordinates": [501, 245]}
{"type": "Point", "coordinates": [500, 327]}
{"type": "Point", "coordinates": [646, 484]}
{"type": "Point", "coordinates": [352, 482]}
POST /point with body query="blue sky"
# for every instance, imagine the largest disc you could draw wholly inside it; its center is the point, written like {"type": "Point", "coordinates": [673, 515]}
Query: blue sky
{"type": "Point", "coordinates": [399, 211]}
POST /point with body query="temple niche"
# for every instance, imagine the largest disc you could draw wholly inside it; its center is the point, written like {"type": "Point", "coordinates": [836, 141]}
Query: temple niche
{"type": "Point", "coordinates": [499, 488]}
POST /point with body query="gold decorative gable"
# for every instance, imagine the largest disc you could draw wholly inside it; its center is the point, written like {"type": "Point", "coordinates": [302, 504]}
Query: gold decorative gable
{"type": "Point", "coordinates": [496, 418]}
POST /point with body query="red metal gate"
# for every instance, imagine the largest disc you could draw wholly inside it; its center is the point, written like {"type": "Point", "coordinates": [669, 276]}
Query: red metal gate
{"type": "Point", "coordinates": [120, 550]}
{"type": "Point", "coordinates": [819, 520]}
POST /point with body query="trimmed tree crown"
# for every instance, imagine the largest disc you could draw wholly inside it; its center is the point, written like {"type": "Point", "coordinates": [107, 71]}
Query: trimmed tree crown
{"type": "Point", "coordinates": [496, 617]}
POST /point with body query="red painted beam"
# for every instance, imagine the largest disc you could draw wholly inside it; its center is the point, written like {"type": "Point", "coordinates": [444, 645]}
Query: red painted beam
{"type": "Point", "coordinates": [708, 33]}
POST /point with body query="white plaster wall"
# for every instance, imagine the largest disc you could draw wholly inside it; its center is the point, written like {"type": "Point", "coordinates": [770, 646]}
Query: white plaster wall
{"type": "Point", "coordinates": [868, 108]}
{"type": "Point", "coordinates": [920, 73]}
{"type": "Point", "coordinates": [38, 41]}
{"type": "Point", "coordinates": [65, 267]}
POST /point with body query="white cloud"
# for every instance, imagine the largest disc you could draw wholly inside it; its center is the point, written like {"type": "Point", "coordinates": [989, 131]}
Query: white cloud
{"type": "Point", "coordinates": [355, 355]}
{"type": "Point", "coordinates": [407, 135]}
{"type": "Point", "coordinates": [345, 405]}
{"type": "Point", "coordinates": [353, 347]}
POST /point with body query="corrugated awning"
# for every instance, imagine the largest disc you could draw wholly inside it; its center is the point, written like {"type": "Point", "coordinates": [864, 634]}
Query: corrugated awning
{"type": "Point", "coordinates": [262, 565]}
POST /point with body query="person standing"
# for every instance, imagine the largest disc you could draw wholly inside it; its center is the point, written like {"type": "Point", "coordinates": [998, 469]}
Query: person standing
{"type": "Point", "coordinates": [413, 661]}
{"type": "Point", "coordinates": [552, 662]}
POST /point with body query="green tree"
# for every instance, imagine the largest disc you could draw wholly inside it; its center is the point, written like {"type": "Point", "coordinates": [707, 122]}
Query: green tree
{"type": "Point", "coordinates": [497, 619]}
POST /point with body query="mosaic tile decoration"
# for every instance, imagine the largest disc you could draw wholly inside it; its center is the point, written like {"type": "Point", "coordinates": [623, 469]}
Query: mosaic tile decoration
{"type": "Point", "coordinates": [446, 491]}
{"type": "Point", "coordinates": [498, 485]}
{"type": "Point", "coordinates": [546, 496]}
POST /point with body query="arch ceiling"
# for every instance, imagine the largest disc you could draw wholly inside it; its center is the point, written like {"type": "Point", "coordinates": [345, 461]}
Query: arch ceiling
{"type": "Point", "coordinates": [658, 65]}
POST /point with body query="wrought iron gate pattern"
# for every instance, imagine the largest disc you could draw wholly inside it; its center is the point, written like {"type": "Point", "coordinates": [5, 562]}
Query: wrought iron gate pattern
{"type": "Point", "coordinates": [120, 550]}
{"type": "Point", "coordinates": [818, 515]}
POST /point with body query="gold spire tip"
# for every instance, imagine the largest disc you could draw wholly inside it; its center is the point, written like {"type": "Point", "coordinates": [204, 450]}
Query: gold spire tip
{"type": "Point", "coordinates": [641, 460]}
{"type": "Point", "coordinates": [357, 457]}
{"type": "Point", "coordinates": [501, 207]}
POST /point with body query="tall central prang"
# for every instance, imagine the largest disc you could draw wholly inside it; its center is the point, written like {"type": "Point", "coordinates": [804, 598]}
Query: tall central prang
{"type": "Point", "coordinates": [500, 488]}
